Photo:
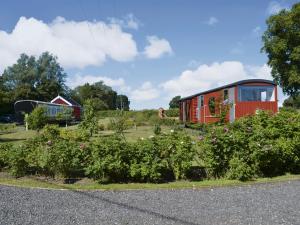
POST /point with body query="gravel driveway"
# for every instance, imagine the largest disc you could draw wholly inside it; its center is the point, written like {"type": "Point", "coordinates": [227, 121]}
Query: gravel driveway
{"type": "Point", "coordinates": [256, 204]}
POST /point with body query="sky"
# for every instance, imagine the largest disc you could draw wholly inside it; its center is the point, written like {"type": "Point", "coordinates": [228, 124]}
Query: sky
{"type": "Point", "coordinates": [149, 50]}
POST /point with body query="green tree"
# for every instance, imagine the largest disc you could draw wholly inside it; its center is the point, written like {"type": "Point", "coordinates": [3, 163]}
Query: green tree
{"type": "Point", "coordinates": [282, 45]}
{"type": "Point", "coordinates": [31, 78]}
{"type": "Point", "coordinates": [37, 119]}
{"type": "Point", "coordinates": [89, 122]}
{"type": "Point", "coordinates": [50, 77]}
{"type": "Point", "coordinates": [65, 115]}
{"type": "Point", "coordinates": [174, 103]}
{"type": "Point", "coordinates": [122, 102]}
{"type": "Point", "coordinates": [103, 95]}
{"type": "Point", "coordinates": [292, 102]}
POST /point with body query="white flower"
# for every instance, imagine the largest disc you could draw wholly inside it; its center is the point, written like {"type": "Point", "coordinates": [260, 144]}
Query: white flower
{"type": "Point", "coordinates": [142, 138]}
{"type": "Point", "coordinates": [181, 142]}
{"type": "Point", "coordinates": [151, 136]}
{"type": "Point", "coordinates": [172, 131]}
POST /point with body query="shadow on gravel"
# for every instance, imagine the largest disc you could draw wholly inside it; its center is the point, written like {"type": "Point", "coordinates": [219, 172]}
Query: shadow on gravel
{"type": "Point", "coordinates": [134, 208]}
{"type": "Point", "coordinates": [127, 206]}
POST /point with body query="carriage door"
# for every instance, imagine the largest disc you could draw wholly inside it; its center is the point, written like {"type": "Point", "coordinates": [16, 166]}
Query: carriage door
{"type": "Point", "coordinates": [232, 104]}
{"type": "Point", "coordinates": [200, 107]}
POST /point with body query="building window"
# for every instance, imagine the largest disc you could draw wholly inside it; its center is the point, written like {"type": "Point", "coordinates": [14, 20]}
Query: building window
{"type": "Point", "coordinates": [256, 93]}
{"type": "Point", "coordinates": [212, 105]}
{"type": "Point", "coordinates": [225, 94]}
{"type": "Point", "coordinates": [202, 100]}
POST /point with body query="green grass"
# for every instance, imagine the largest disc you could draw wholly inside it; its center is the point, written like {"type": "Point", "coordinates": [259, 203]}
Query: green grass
{"type": "Point", "coordinates": [87, 184]}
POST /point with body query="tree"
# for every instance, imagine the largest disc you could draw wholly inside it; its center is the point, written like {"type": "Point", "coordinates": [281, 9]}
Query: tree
{"type": "Point", "coordinates": [293, 102]}
{"type": "Point", "coordinates": [31, 78]}
{"type": "Point", "coordinates": [65, 115]}
{"type": "Point", "coordinates": [50, 77]}
{"type": "Point", "coordinates": [37, 119]}
{"type": "Point", "coordinates": [89, 122]}
{"type": "Point", "coordinates": [282, 45]}
{"type": "Point", "coordinates": [174, 103]}
{"type": "Point", "coordinates": [102, 95]}
{"type": "Point", "coordinates": [122, 102]}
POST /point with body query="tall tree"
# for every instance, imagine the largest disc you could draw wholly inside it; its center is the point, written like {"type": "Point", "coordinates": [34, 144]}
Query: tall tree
{"type": "Point", "coordinates": [282, 44]}
{"type": "Point", "coordinates": [174, 103]}
{"type": "Point", "coordinates": [122, 102]}
{"type": "Point", "coordinates": [50, 77]}
{"type": "Point", "coordinates": [292, 102]}
{"type": "Point", "coordinates": [103, 96]}
{"type": "Point", "coordinates": [31, 78]}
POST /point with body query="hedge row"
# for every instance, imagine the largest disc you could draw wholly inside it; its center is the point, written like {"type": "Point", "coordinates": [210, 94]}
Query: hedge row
{"type": "Point", "coordinates": [159, 158]}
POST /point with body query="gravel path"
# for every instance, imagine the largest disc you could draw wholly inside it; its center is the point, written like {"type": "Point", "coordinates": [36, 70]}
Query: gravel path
{"type": "Point", "coordinates": [256, 204]}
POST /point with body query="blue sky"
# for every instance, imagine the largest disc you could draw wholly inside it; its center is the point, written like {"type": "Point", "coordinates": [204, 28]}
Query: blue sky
{"type": "Point", "coordinates": [149, 50]}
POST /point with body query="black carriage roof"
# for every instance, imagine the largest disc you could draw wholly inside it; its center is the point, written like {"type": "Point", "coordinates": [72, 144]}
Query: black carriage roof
{"type": "Point", "coordinates": [231, 85]}
{"type": "Point", "coordinates": [41, 102]}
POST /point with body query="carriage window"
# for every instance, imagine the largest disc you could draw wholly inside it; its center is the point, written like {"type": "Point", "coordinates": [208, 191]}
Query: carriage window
{"type": "Point", "coordinates": [212, 105]}
{"type": "Point", "coordinates": [202, 100]}
{"type": "Point", "coordinates": [225, 94]}
{"type": "Point", "coordinates": [256, 93]}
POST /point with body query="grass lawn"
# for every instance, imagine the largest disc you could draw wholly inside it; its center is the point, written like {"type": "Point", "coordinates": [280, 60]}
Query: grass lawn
{"type": "Point", "coordinates": [87, 184]}
{"type": "Point", "coordinates": [19, 134]}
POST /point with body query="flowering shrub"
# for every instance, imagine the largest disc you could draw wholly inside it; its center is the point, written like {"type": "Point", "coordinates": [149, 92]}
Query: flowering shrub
{"type": "Point", "coordinates": [259, 145]}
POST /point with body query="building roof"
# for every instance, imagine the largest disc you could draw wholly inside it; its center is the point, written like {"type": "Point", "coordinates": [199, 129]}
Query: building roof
{"type": "Point", "coordinates": [69, 101]}
{"type": "Point", "coordinates": [231, 85]}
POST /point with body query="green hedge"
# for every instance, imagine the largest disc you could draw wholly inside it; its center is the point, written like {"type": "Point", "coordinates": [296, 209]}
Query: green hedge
{"type": "Point", "coordinates": [255, 146]}
{"type": "Point", "coordinates": [156, 159]}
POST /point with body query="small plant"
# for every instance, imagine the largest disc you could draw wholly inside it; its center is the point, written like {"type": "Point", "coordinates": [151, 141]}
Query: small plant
{"type": "Point", "coordinates": [89, 122]}
{"type": "Point", "coordinates": [37, 119]}
{"type": "Point", "coordinates": [119, 123]}
{"type": "Point", "coordinates": [157, 129]}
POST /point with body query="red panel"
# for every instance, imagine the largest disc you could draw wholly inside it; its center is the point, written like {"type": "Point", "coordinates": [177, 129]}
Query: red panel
{"type": "Point", "coordinates": [76, 112]}
{"type": "Point", "coordinates": [249, 108]}
{"type": "Point", "coordinates": [60, 101]}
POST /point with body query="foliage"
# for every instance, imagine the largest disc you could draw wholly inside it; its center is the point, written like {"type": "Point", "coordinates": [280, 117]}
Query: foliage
{"type": "Point", "coordinates": [122, 102]}
{"type": "Point", "coordinates": [212, 105]}
{"type": "Point", "coordinates": [282, 45]}
{"type": "Point", "coordinates": [157, 129]}
{"type": "Point", "coordinates": [293, 102]}
{"type": "Point", "coordinates": [174, 103]}
{"type": "Point", "coordinates": [37, 119]}
{"type": "Point", "coordinates": [172, 112]}
{"type": "Point", "coordinates": [118, 123]}
{"type": "Point", "coordinates": [32, 78]}
{"type": "Point", "coordinates": [89, 121]}
{"type": "Point", "coordinates": [259, 145]}
{"type": "Point", "coordinates": [4, 152]}
{"type": "Point", "coordinates": [65, 115]}
{"type": "Point", "coordinates": [4, 128]}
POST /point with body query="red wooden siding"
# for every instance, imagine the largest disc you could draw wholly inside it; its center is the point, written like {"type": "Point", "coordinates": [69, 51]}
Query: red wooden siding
{"type": "Point", "coordinates": [241, 108]}
{"type": "Point", "coordinates": [60, 101]}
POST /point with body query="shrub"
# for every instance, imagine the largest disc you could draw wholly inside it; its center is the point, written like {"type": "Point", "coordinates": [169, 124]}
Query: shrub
{"type": "Point", "coordinates": [157, 129]}
{"type": "Point", "coordinates": [4, 154]}
{"type": "Point", "coordinates": [109, 160]}
{"type": "Point", "coordinates": [172, 112]}
{"type": "Point", "coordinates": [259, 145]}
{"type": "Point", "coordinates": [37, 119]}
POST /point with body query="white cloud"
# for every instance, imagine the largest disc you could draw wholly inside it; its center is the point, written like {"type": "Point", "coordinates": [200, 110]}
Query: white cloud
{"type": "Point", "coordinates": [157, 47]}
{"type": "Point", "coordinates": [76, 44]}
{"type": "Point", "coordinates": [145, 93]}
{"type": "Point", "coordinates": [129, 21]}
{"type": "Point", "coordinates": [211, 21]}
{"type": "Point", "coordinates": [210, 76]}
{"type": "Point", "coordinates": [79, 79]}
{"type": "Point", "coordinates": [275, 7]}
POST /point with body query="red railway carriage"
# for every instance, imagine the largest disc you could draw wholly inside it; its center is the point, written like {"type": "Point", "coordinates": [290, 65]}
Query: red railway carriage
{"type": "Point", "coordinates": [238, 99]}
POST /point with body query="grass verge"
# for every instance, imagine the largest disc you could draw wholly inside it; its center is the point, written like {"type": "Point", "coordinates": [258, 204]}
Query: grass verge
{"type": "Point", "coordinates": [87, 184]}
